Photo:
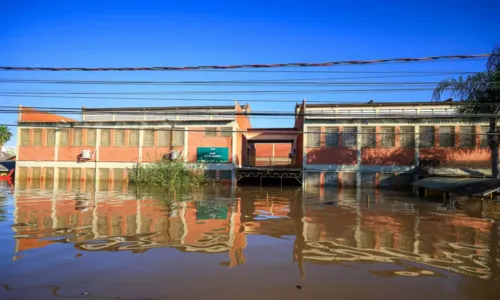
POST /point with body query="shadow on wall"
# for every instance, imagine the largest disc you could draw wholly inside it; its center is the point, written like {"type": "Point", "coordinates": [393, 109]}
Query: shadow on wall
{"type": "Point", "coordinates": [331, 155]}
{"type": "Point", "coordinates": [456, 158]}
{"type": "Point", "coordinates": [388, 156]}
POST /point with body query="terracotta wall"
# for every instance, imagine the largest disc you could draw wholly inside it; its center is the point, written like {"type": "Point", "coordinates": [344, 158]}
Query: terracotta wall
{"type": "Point", "coordinates": [299, 126]}
{"type": "Point", "coordinates": [241, 145]}
{"type": "Point", "coordinates": [397, 156]}
{"type": "Point", "coordinates": [331, 155]}
{"type": "Point", "coordinates": [197, 138]}
{"type": "Point", "coordinates": [266, 149]}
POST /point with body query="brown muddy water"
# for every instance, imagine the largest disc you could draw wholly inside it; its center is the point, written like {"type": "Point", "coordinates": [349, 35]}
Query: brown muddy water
{"type": "Point", "coordinates": [219, 243]}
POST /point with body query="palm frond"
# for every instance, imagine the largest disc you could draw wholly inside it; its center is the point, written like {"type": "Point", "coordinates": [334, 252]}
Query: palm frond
{"type": "Point", "coordinates": [493, 64]}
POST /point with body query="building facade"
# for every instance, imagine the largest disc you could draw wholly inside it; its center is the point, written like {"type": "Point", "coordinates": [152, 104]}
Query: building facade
{"type": "Point", "coordinates": [108, 142]}
{"type": "Point", "coordinates": [390, 144]}
{"type": "Point", "coordinates": [370, 144]}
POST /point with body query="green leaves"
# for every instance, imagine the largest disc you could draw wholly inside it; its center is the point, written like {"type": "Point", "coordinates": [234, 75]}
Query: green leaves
{"type": "Point", "coordinates": [166, 173]}
{"type": "Point", "coordinates": [5, 135]}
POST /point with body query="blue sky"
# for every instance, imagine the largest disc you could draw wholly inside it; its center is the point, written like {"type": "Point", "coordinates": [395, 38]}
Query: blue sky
{"type": "Point", "coordinates": [159, 33]}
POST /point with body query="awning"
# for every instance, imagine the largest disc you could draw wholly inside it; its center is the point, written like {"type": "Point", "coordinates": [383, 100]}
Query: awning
{"type": "Point", "coordinates": [460, 186]}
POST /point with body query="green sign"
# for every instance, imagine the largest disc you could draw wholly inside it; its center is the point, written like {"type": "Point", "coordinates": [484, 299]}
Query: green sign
{"type": "Point", "coordinates": [212, 154]}
{"type": "Point", "coordinates": [210, 211]}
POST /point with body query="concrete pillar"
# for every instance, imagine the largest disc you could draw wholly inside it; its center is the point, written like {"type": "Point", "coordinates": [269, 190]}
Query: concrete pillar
{"type": "Point", "coordinates": [18, 143]}
{"type": "Point", "coordinates": [56, 144]}
{"type": "Point", "coordinates": [186, 146]}
{"type": "Point", "coordinates": [359, 137]}
{"type": "Point", "coordinates": [235, 163]}
{"type": "Point", "coordinates": [141, 137]}
{"type": "Point", "coordinates": [304, 157]}
{"type": "Point", "coordinates": [417, 145]}
{"type": "Point", "coordinates": [96, 163]}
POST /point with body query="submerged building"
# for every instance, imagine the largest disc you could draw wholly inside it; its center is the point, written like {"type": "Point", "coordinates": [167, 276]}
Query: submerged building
{"type": "Point", "coordinates": [370, 144]}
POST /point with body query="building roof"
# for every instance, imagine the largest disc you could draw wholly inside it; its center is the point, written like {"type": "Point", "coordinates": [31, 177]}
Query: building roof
{"type": "Point", "coordinates": [164, 108]}
{"type": "Point", "coordinates": [90, 124]}
{"type": "Point", "coordinates": [386, 104]}
{"type": "Point", "coordinates": [460, 186]}
{"type": "Point", "coordinates": [28, 114]}
{"type": "Point", "coordinates": [271, 129]}
{"type": "Point", "coordinates": [6, 156]}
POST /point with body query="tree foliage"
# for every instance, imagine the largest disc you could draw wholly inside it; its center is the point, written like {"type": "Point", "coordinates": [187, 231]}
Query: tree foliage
{"type": "Point", "coordinates": [5, 135]}
{"type": "Point", "coordinates": [478, 93]}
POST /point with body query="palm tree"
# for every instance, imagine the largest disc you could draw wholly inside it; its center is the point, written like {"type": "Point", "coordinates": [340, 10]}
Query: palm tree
{"type": "Point", "coordinates": [5, 135]}
{"type": "Point", "coordinates": [479, 94]}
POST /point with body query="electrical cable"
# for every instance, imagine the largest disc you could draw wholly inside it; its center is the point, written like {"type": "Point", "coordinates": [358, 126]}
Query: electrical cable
{"type": "Point", "coordinates": [278, 65]}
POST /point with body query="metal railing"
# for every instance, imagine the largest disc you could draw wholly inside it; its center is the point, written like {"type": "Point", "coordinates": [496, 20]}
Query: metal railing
{"type": "Point", "coordinates": [269, 161]}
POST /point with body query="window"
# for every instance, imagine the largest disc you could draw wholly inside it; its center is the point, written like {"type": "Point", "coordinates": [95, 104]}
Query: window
{"type": "Point", "coordinates": [37, 137]}
{"type": "Point", "coordinates": [163, 138]}
{"type": "Point", "coordinates": [148, 138]}
{"type": "Point", "coordinates": [25, 137]}
{"type": "Point", "coordinates": [226, 131]}
{"type": "Point", "coordinates": [467, 137]}
{"type": "Point", "coordinates": [91, 137]}
{"type": "Point", "coordinates": [64, 137]}
{"type": "Point", "coordinates": [387, 138]}
{"type": "Point", "coordinates": [407, 137]}
{"type": "Point", "coordinates": [332, 137]}
{"type": "Point", "coordinates": [368, 137]}
{"type": "Point", "coordinates": [134, 138]}
{"type": "Point", "coordinates": [350, 137]}
{"type": "Point", "coordinates": [313, 137]}
{"type": "Point", "coordinates": [210, 132]}
{"type": "Point", "coordinates": [105, 137]}
{"type": "Point", "coordinates": [50, 139]}
{"type": "Point", "coordinates": [178, 138]}
{"type": "Point", "coordinates": [426, 136]}
{"type": "Point", "coordinates": [119, 137]}
{"type": "Point", "coordinates": [483, 140]}
{"type": "Point", "coordinates": [77, 137]}
{"type": "Point", "coordinates": [447, 137]}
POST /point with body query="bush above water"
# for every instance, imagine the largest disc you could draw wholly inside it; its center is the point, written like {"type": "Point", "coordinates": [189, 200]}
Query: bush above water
{"type": "Point", "coordinates": [167, 173]}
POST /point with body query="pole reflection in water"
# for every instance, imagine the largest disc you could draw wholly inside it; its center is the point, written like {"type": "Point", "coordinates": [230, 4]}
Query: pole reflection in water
{"type": "Point", "coordinates": [353, 237]}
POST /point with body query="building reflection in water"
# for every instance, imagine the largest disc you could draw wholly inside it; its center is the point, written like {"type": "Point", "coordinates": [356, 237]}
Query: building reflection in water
{"type": "Point", "coordinates": [329, 226]}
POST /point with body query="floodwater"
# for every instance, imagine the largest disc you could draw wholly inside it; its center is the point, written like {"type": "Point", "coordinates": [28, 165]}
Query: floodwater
{"type": "Point", "coordinates": [219, 243]}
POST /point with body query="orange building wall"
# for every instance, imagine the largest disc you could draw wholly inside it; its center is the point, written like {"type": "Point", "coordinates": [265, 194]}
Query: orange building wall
{"type": "Point", "coordinates": [198, 139]}
{"type": "Point", "coordinates": [299, 126]}
{"type": "Point", "coordinates": [449, 156]}
{"type": "Point", "coordinates": [266, 149]}
{"type": "Point", "coordinates": [397, 156]}
{"type": "Point", "coordinates": [333, 155]}
{"type": "Point", "coordinates": [241, 144]}
{"type": "Point", "coordinates": [388, 156]}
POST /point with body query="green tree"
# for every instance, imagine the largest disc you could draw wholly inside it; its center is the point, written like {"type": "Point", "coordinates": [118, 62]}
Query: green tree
{"type": "Point", "coordinates": [5, 135]}
{"type": "Point", "coordinates": [479, 94]}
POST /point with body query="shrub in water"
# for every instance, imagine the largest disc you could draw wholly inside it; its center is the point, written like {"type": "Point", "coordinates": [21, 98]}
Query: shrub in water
{"type": "Point", "coordinates": [167, 173]}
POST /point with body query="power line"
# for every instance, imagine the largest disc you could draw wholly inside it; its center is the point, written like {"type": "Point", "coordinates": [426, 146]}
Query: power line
{"type": "Point", "coordinates": [294, 81]}
{"type": "Point", "coordinates": [279, 65]}
{"type": "Point", "coordinates": [220, 92]}
{"type": "Point", "coordinates": [167, 99]}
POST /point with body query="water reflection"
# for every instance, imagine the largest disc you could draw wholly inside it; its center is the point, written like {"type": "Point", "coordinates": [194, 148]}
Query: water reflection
{"type": "Point", "coordinates": [411, 237]}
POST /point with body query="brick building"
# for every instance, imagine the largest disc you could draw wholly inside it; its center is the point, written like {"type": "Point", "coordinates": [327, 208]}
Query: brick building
{"type": "Point", "coordinates": [107, 142]}
{"type": "Point", "coordinates": [371, 144]}
{"type": "Point", "coordinates": [385, 144]}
